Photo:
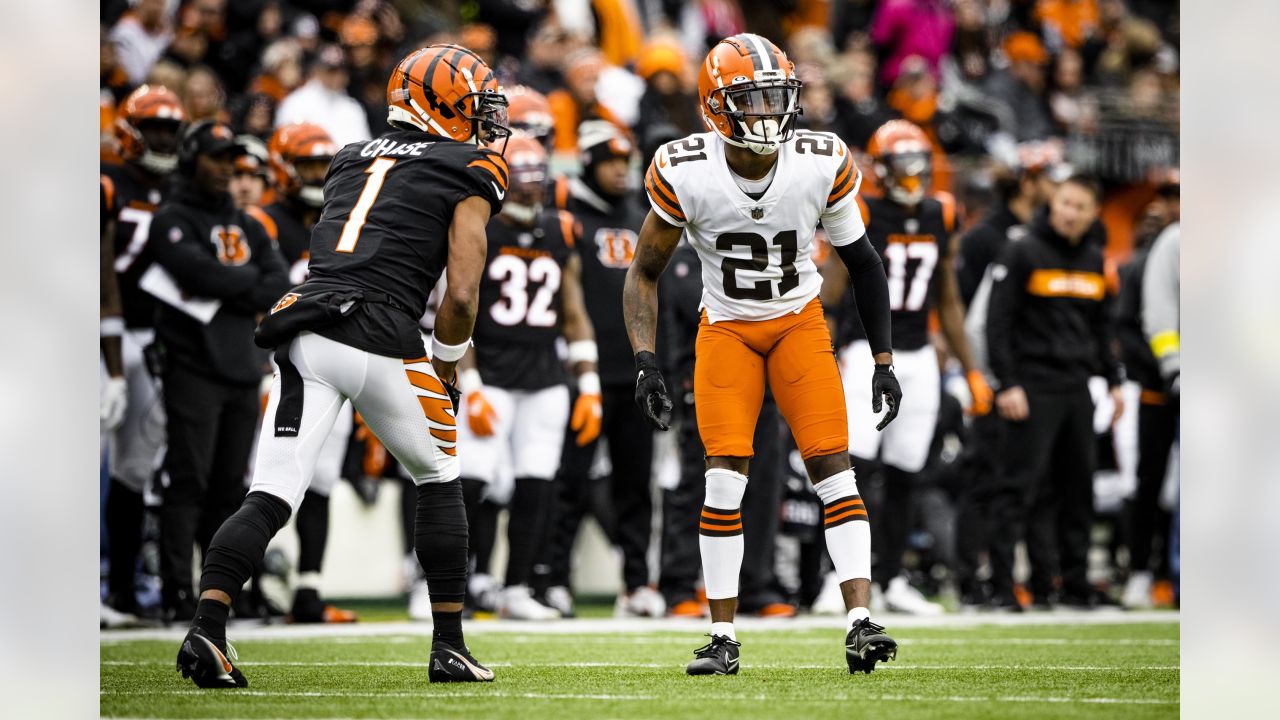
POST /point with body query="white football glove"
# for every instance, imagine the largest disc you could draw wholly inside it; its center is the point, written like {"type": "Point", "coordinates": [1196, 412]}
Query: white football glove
{"type": "Point", "coordinates": [113, 402]}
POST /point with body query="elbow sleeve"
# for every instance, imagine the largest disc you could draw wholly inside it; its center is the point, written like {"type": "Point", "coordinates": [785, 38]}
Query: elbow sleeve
{"type": "Point", "coordinates": [871, 291]}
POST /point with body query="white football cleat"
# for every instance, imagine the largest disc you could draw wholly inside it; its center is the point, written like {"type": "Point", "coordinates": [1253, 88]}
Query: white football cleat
{"type": "Point", "coordinates": [830, 600]}
{"type": "Point", "coordinates": [419, 601]}
{"type": "Point", "coordinates": [901, 597]}
{"type": "Point", "coordinates": [561, 599]}
{"type": "Point", "coordinates": [517, 603]}
{"type": "Point", "coordinates": [643, 602]}
{"type": "Point", "coordinates": [1137, 591]}
{"type": "Point", "coordinates": [484, 589]}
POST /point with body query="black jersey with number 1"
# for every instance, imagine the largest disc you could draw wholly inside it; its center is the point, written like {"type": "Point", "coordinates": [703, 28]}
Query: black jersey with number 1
{"type": "Point", "coordinates": [388, 205]}
{"type": "Point", "coordinates": [911, 242]}
{"type": "Point", "coordinates": [521, 312]}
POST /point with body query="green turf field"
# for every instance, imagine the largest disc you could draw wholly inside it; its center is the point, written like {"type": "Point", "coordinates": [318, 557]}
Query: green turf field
{"type": "Point", "coordinates": [1023, 671]}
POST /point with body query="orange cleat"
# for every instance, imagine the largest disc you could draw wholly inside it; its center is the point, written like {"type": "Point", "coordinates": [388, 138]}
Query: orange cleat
{"type": "Point", "coordinates": [688, 609]}
{"type": "Point", "coordinates": [777, 610]}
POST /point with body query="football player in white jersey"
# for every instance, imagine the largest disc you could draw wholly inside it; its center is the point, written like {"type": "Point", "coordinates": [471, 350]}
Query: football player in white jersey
{"type": "Point", "coordinates": [749, 195]}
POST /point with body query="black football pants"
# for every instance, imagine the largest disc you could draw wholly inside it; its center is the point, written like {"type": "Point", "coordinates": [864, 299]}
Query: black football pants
{"type": "Point", "coordinates": [211, 426]}
{"type": "Point", "coordinates": [1046, 493]}
{"type": "Point", "coordinates": [982, 465]}
{"type": "Point", "coordinates": [631, 502]}
{"type": "Point", "coordinates": [682, 506]}
{"type": "Point", "coordinates": [1157, 429]}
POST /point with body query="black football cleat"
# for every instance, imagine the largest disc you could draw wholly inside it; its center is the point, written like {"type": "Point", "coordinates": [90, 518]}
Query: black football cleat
{"type": "Point", "coordinates": [718, 657]}
{"type": "Point", "coordinates": [206, 664]}
{"type": "Point", "coordinates": [449, 664]}
{"type": "Point", "coordinates": [866, 644]}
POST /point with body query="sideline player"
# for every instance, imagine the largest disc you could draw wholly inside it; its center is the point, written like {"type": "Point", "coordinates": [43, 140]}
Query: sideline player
{"type": "Point", "coordinates": [299, 156]}
{"type": "Point", "coordinates": [911, 229]}
{"type": "Point", "coordinates": [514, 381]}
{"type": "Point", "coordinates": [400, 211]}
{"type": "Point", "coordinates": [749, 195]}
{"type": "Point", "coordinates": [146, 129]}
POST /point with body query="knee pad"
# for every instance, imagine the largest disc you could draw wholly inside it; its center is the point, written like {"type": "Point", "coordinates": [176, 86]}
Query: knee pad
{"type": "Point", "coordinates": [440, 539]}
{"type": "Point", "coordinates": [725, 489]}
{"type": "Point", "coordinates": [238, 546]}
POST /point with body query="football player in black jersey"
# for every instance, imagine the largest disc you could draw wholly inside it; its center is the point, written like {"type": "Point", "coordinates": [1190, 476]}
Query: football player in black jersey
{"type": "Point", "coordinates": [514, 382]}
{"type": "Point", "coordinates": [611, 213]}
{"type": "Point", "coordinates": [399, 212]}
{"type": "Point", "coordinates": [911, 229]}
{"type": "Point", "coordinates": [299, 156]}
{"type": "Point", "coordinates": [146, 130]}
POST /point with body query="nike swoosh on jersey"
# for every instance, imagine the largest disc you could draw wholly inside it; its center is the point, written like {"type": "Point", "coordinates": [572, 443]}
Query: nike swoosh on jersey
{"type": "Point", "coordinates": [501, 193]}
{"type": "Point", "coordinates": [662, 162]}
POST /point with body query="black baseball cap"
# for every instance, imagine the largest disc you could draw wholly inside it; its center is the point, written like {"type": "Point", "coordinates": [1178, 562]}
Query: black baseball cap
{"type": "Point", "coordinates": [215, 138]}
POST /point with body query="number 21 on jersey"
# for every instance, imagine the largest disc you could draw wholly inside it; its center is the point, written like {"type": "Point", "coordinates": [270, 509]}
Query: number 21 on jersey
{"type": "Point", "coordinates": [377, 173]}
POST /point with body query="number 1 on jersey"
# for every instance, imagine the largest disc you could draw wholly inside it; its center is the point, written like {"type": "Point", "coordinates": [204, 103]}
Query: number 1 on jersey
{"type": "Point", "coordinates": [355, 222]}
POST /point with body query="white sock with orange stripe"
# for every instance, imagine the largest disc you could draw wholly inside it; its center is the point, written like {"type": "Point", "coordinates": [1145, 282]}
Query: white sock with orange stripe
{"type": "Point", "coordinates": [847, 526]}
{"type": "Point", "coordinates": [720, 533]}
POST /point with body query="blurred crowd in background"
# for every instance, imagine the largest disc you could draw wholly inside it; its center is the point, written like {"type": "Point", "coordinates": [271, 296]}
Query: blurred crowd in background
{"type": "Point", "coordinates": [1005, 90]}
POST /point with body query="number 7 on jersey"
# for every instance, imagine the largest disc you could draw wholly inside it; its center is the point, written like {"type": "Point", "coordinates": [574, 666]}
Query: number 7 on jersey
{"type": "Point", "coordinates": [355, 222]}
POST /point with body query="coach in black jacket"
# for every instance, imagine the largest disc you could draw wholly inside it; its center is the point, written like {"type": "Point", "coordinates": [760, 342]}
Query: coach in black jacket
{"type": "Point", "coordinates": [211, 372]}
{"type": "Point", "coordinates": [1048, 332]}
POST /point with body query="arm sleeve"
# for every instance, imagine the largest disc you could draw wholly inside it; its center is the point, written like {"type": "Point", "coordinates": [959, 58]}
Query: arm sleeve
{"type": "Point", "coordinates": [662, 194]}
{"type": "Point", "coordinates": [870, 292]}
{"type": "Point", "coordinates": [1008, 278]}
{"type": "Point", "coordinates": [1160, 322]}
{"type": "Point", "coordinates": [194, 269]}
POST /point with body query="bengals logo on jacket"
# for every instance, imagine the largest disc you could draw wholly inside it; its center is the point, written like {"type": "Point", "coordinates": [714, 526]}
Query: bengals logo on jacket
{"type": "Point", "coordinates": [230, 243]}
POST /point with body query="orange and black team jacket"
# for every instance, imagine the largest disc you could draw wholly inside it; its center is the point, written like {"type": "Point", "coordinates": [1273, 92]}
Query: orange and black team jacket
{"type": "Point", "coordinates": [1049, 326]}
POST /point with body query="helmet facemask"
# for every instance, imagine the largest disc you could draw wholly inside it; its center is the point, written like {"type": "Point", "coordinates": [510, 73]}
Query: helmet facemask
{"type": "Point", "coordinates": [490, 120]}
{"type": "Point", "coordinates": [761, 113]}
{"type": "Point", "coordinates": [159, 138]}
{"type": "Point", "coordinates": [906, 175]}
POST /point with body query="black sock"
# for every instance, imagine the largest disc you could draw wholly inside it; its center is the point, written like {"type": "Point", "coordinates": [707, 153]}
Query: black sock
{"type": "Point", "coordinates": [124, 539]}
{"type": "Point", "coordinates": [211, 617]}
{"type": "Point", "coordinates": [448, 628]}
{"type": "Point", "coordinates": [313, 531]}
{"type": "Point", "coordinates": [525, 524]}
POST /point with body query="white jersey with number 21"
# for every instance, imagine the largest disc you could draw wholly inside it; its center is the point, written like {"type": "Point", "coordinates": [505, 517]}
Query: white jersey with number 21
{"type": "Point", "coordinates": [757, 255]}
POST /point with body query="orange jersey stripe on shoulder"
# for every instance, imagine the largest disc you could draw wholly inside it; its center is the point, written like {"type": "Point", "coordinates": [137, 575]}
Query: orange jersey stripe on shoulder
{"type": "Point", "coordinates": [566, 226]}
{"type": "Point", "coordinates": [862, 208]}
{"type": "Point", "coordinates": [268, 223]}
{"type": "Point", "coordinates": [109, 190]}
{"type": "Point", "coordinates": [948, 202]}
{"type": "Point", "coordinates": [663, 194]}
{"type": "Point", "coordinates": [493, 169]}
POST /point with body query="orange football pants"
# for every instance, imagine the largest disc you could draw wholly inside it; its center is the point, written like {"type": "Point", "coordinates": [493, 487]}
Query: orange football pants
{"type": "Point", "coordinates": [794, 352]}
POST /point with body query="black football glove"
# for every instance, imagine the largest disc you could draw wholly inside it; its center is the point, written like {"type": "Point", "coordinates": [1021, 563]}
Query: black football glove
{"type": "Point", "coordinates": [651, 391]}
{"type": "Point", "coordinates": [885, 385]}
{"type": "Point", "coordinates": [455, 395]}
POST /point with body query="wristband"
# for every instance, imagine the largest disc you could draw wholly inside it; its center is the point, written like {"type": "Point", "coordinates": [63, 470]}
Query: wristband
{"type": "Point", "coordinates": [646, 360]}
{"type": "Point", "coordinates": [469, 381]}
{"type": "Point", "coordinates": [111, 326]}
{"type": "Point", "coordinates": [583, 351]}
{"type": "Point", "coordinates": [589, 383]}
{"type": "Point", "coordinates": [448, 353]}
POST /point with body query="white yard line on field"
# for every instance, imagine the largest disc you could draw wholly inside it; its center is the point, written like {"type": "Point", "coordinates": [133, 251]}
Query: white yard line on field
{"type": "Point", "coordinates": [483, 692]}
{"type": "Point", "coordinates": [614, 626]}
{"type": "Point", "coordinates": [748, 666]}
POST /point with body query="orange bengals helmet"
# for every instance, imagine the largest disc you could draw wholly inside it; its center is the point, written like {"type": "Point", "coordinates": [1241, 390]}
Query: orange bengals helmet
{"type": "Point", "coordinates": [527, 160]}
{"type": "Point", "coordinates": [447, 90]}
{"type": "Point", "coordinates": [292, 145]}
{"type": "Point", "coordinates": [530, 113]}
{"type": "Point", "coordinates": [146, 128]}
{"type": "Point", "coordinates": [749, 93]}
{"type": "Point", "coordinates": [903, 159]}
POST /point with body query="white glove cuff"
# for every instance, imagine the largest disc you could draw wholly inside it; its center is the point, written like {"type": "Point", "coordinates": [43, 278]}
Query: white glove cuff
{"type": "Point", "coordinates": [449, 353]}
{"type": "Point", "coordinates": [589, 383]}
{"type": "Point", "coordinates": [583, 351]}
{"type": "Point", "coordinates": [469, 381]}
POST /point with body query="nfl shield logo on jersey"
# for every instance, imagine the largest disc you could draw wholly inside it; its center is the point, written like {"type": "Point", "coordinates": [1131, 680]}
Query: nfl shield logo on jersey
{"type": "Point", "coordinates": [757, 213]}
